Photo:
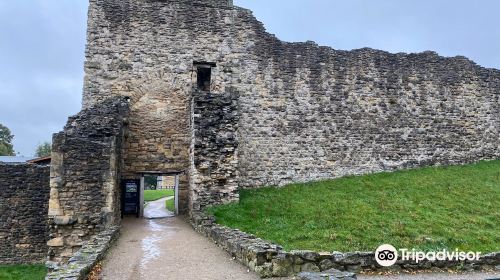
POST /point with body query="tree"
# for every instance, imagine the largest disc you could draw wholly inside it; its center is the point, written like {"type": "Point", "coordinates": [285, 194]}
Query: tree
{"type": "Point", "coordinates": [6, 147]}
{"type": "Point", "coordinates": [151, 182]}
{"type": "Point", "coordinates": [44, 149]}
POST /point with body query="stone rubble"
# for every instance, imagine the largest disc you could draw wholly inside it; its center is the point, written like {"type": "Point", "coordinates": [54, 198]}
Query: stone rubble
{"type": "Point", "coordinates": [82, 262]}
{"type": "Point", "coordinates": [331, 274]}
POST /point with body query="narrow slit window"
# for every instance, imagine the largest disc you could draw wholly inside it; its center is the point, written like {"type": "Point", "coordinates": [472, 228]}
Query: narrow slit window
{"type": "Point", "coordinates": [204, 77]}
{"type": "Point", "coordinates": [204, 74]}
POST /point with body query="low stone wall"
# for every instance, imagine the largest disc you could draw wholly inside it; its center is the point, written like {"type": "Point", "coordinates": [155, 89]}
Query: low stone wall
{"type": "Point", "coordinates": [82, 262]}
{"type": "Point", "coordinates": [24, 197]}
{"type": "Point", "coordinates": [270, 260]}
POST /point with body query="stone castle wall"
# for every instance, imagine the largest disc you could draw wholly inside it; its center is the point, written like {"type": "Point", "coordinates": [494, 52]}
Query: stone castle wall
{"type": "Point", "coordinates": [317, 113]}
{"type": "Point", "coordinates": [85, 195]}
{"type": "Point", "coordinates": [145, 50]}
{"type": "Point", "coordinates": [305, 112]}
{"type": "Point", "coordinates": [24, 197]}
{"type": "Point", "coordinates": [214, 159]}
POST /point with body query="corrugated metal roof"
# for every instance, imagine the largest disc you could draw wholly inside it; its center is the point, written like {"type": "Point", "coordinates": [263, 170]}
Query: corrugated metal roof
{"type": "Point", "coordinates": [15, 159]}
{"type": "Point", "coordinates": [46, 159]}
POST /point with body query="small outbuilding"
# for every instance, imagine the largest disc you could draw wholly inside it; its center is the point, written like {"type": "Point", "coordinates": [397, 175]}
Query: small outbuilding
{"type": "Point", "coordinates": [23, 160]}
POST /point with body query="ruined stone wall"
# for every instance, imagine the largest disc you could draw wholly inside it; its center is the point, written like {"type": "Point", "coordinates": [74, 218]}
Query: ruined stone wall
{"type": "Point", "coordinates": [85, 177]}
{"type": "Point", "coordinates": [145, 50]}
{"type": "Point", "coordinates": [317, 113]}
{"type": "Point", "coordinates": [24, 200]}
{"type": "Point", "coordinates": [305, 112]}
{"type": "Point", "coordinates": [214, 158]}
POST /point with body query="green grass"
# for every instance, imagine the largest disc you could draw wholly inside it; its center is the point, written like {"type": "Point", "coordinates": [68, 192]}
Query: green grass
{"type": "Point", "coordinates": [151, 195]}
{"type": "Point", "coordinates": [22, 272]}
{"type": "Point", "coordinates": [170, 205]}
{"type": "Point", "coordinates": [426, 209]}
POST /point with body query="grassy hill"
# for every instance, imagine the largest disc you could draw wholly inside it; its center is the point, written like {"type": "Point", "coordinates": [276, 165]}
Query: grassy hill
{"type": "Point", "coordinates": [428, 209]}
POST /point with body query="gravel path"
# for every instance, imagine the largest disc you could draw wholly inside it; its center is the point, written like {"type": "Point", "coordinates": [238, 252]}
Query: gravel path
{"type": "Point", "coordinates": [168, 249]}
{"type": "Point", "coordinates": [159, 249]}
{"type": "Point", "coordinates": [156, 209]}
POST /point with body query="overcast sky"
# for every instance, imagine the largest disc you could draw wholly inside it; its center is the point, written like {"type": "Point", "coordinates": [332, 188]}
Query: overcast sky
{"type": "Point", "coordinates": [42, 45]}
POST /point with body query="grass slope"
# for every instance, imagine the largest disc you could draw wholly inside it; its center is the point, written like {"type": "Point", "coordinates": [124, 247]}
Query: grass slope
{"type": "Point", "coordinates": [427, 209]}
{"type": "Point", "coordinates": [152, 195]}
{"type": "Point", "coordinates": [22, 272]}
{"type": "Point", "coordinates": [170, 205]}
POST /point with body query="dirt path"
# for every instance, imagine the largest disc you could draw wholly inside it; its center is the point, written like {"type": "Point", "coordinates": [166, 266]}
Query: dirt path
{"type": "Point", "coordinates": [156, 209]}
{"type": "Point", "coordinates": [168, 249]}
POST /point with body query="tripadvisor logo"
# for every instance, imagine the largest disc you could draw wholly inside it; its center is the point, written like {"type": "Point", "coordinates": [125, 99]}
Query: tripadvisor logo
{"type": "Point", "coordinates": [387, 255]}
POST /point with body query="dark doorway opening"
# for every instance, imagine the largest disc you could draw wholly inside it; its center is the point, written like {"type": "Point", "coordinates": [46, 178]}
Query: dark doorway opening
{"type": "Point", "coordinates": [131, 190]}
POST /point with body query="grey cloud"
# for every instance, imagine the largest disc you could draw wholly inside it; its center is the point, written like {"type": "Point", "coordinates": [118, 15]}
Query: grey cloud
{"type": "Point", "coordinates": [450, 27]}
{"type": "Point", "coordinates": [41, 56]}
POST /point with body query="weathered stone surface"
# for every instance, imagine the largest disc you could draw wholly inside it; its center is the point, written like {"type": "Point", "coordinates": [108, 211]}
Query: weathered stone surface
{"type": "Point", "coordinates": [306, 255]}
{"type": "Point", "coordinates": [303, 113]}
{"type": "Point", "coordinates": [24, 195]}
{"type": "Point", "coordinates": [328, 264]}
{"type": "Point", "coordinates": [282, 265]}
{"type": "Point", "coordinates": [85, 177]}
{"type": "Point", "coordinates": [214, 168]}
{"type": "Point", "coordinates": [64, 220]}
{"type": "Point", "coordinates": [332, 274]}
{"type": "Point", "coordinates": [56, 242]}
{"type": "Point", "coordinates": [81, 262]}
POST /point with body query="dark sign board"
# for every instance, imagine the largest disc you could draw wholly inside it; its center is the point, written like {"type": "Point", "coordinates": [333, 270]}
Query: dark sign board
{"type": "Point", "coordinates": [130, 197]}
